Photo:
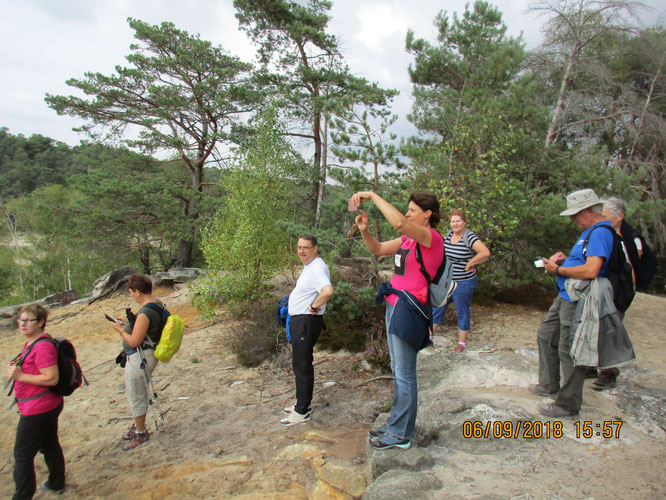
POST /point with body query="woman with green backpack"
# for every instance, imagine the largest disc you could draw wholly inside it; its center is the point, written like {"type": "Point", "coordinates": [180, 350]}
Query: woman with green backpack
{"type": "Point", "coordinates": [139, 347]}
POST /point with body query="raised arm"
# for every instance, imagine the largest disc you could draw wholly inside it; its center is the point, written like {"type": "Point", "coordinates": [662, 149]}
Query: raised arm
{"type": "Point", "coordinates": [399, 222]}
{"type": "Point", "coordinates": [376, 247]}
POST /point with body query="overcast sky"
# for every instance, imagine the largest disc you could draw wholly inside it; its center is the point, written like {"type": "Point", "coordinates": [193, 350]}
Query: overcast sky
{"type": "Point", "coordinates": [45, 42]}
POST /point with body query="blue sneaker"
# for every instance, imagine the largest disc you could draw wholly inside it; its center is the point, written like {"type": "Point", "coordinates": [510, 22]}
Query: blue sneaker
{"type": "Point", "coordinates": [387, 441]}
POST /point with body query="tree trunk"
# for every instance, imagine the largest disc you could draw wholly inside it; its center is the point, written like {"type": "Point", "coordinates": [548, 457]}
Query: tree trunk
{"type": "Point", "coordinates": [316, 162]}
{"type": "Point", "coordinates": [322, 176]}
{"type": "Point", "coordinates": [185, 253]}
{"type": "Point", "coordinates": [641, 121]}
{"type": "Point", "coordinates": [560, 99]}
{"type": "Point", "coordinates": [190, 210]}
{"type": "Point", "coordinates": [144, 255]}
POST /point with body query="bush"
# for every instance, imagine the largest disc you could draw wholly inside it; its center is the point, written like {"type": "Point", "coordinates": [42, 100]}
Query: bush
{"type": "Point", "coordinates": [258, 337]}
{"type": "Point", "coordinates": [349, 316]}
{"type": "Point", "coordinates": [376, 348]}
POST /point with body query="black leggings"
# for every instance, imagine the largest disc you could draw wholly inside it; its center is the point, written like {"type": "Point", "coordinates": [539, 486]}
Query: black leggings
{"type": "Point", "coordinates": [37, 433]}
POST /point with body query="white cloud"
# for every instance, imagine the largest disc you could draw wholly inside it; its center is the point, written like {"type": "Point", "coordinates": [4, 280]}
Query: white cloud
{"type": "Point", "coordinates": [380, 26]}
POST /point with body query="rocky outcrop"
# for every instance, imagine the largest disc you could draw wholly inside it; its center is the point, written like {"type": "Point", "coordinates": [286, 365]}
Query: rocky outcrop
{"type": "Point", "coordinates": [176, 275]}
{"type": "Point", "coordinates": [477, 405]}
{"type": "Point", "coordinates": [109, 283]}
{"type": "Point", "coordinates": [55, 300]}
{"type": "Point", "coordinates": [400, 484]}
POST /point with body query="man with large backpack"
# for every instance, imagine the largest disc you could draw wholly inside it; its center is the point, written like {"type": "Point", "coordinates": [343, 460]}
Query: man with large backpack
{"type": "Point", "coordinates": [643, 264]}
{"type": "Point", "coordinates": [585, 209]}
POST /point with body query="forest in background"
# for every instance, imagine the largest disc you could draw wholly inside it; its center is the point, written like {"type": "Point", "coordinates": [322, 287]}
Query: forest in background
{"type": "Point", "coordinates": [258, 152]}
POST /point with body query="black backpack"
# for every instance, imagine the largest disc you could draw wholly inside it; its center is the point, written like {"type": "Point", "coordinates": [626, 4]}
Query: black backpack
{"type": "Point", "coordinates": [646, 268]}
{"type": "Point", "coordinates": [70, 375]}
{"type": "Point", "coordinates": [619, 271]}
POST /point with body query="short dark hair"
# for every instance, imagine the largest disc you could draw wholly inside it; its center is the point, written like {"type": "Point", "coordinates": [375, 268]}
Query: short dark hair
{"type": "Point", "coordinates": [310, 237]}
{"type": "Point", "coordinates": [140, 282]}
{"type": "Point", "coordinates": [427, 201]}
{"type": "Point", "coordinates": [40, 313]}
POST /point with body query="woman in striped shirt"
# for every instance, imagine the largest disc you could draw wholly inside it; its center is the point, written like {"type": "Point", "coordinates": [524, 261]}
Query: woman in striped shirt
{"type": "Point", "coordinates": [465, 250]}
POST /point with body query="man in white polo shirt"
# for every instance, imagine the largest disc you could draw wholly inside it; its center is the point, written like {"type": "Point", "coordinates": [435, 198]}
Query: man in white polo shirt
{"type": "Point", "coordinates": [307, 304]}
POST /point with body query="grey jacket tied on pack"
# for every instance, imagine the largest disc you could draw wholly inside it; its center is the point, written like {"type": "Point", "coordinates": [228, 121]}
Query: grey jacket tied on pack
{"type": "Point", "coordinates": [599, 337]}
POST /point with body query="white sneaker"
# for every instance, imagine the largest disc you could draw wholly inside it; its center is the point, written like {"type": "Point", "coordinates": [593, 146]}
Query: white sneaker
{"type": "Point", "coordinates": [294, 418]}
{"type": "Point", "coordinates": [292, 409]}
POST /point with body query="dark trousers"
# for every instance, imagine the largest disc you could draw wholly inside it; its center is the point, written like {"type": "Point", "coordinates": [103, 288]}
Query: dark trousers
{"type": "Point", "coordinates": [553, 341]}
{"type": "Point", "coordinates": [305, 330]}
{"type": "Point", "coordinates": [37, 433]}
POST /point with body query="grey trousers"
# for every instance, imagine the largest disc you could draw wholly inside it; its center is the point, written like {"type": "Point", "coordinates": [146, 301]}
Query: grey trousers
{"type": "Point", "coordinates": [553, 341]}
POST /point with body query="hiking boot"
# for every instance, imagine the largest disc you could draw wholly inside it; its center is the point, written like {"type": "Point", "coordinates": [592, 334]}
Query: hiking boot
{"type": "Point", "coordinates": [552, 410]}
{"type": "Point", "coordinates": [387, 442]}
{"type": "Point", "coordinates": [460, 348]}
{"type": "Point", "coordinates": [537, 390]}
{"type": "Point", "coordinates": [295, 418]}
{"type": "Point", "coordinates": [606, 379]}
{"type": "Point", "coordinates": [591, 373]}
{"type": "Point", "coordinates": [376, 433]}
{"type": "Point", "coordinates": [130, 434]}
{"type": "Point", "coordinates": [292, 409]}
{"type": "Point", "coordinates": [44, 486]}
{"type": "Point", "coordinates": [139, 437]}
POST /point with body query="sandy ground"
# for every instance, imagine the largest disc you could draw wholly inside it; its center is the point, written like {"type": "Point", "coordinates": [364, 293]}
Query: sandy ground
{"type": "Point", "coordinates": [221, 435]}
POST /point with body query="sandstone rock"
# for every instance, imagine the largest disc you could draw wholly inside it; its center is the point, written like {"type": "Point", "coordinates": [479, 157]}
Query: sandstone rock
{"type": "Point", "coordinates": [324, 491]}
{"type": "Point", "coordinates": [341, 476]}
{"type": "Point", "coordinates": [318, 435]}
{"type": "Point", "coordinates": [176, 275]}
{"type": "Point", "coordinates": [50, 301]}
{"type": "Point", "coordinates": [644, 407]}
{"type": "Point", "coordinates": [401, 485]}
{"type": "Point", "coordinates": [412, 459]}
{"type": "Point", "coordinates": [61, 298]}
{"type": "Point", "coordinates": [109, 283]}
{"type": "Point", "coordinates": [300, 451]}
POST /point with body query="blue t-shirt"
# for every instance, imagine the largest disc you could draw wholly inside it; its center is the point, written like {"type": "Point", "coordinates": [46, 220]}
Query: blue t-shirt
{"type": "Point", "coordinates": [600, 245]}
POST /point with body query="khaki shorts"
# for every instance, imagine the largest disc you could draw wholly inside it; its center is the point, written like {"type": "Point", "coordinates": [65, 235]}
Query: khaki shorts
{"type": "Point", "coordinates": [136, 381]}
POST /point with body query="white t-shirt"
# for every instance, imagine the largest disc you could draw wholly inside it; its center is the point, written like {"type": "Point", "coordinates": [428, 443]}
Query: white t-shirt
{"type": "Point", "coordinates": [314, 277]}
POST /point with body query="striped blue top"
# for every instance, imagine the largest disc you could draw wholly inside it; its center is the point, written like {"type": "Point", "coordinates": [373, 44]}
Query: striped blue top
{"type": "Point", "coordinates": [460, 255]}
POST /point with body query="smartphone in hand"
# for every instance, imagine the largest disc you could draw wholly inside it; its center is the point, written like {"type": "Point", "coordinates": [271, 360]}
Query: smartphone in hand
{"type": "Point", "coordinates": [538, 262]}
{"type": "Point", "coordinates": [113, 319]}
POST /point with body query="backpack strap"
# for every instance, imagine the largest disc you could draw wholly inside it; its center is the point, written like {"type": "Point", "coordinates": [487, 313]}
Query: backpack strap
{"type": "Point", "coordinates": [419, 259]}
{"type": "Point", "coordinates": [590, 234]}
{"type": "Point", "coordinates": [18, 361]}
{"type": "Point", "coordinates": [465, 237]}
{"type": "Point", "coordinates": [165, 315]}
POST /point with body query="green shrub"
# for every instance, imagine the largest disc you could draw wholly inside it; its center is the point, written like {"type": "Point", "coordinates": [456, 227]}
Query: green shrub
{"type": "Point", "coordinates": [258, 336]}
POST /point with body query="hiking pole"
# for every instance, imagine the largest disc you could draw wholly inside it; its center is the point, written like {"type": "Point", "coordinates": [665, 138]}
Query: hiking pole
{"type": "Point", "coordinates": [150, 389]}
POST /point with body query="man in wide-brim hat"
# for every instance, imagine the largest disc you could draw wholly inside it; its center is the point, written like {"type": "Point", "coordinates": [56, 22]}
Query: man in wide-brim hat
{"type": "Point", "coordinates": [585, 209]}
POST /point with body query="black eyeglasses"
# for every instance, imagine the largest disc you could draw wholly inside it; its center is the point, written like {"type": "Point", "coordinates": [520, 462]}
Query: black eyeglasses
{"type": "Point", "coordinates": [304, 248]}
{"type": "Point", "coordinates": [24, 321]}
